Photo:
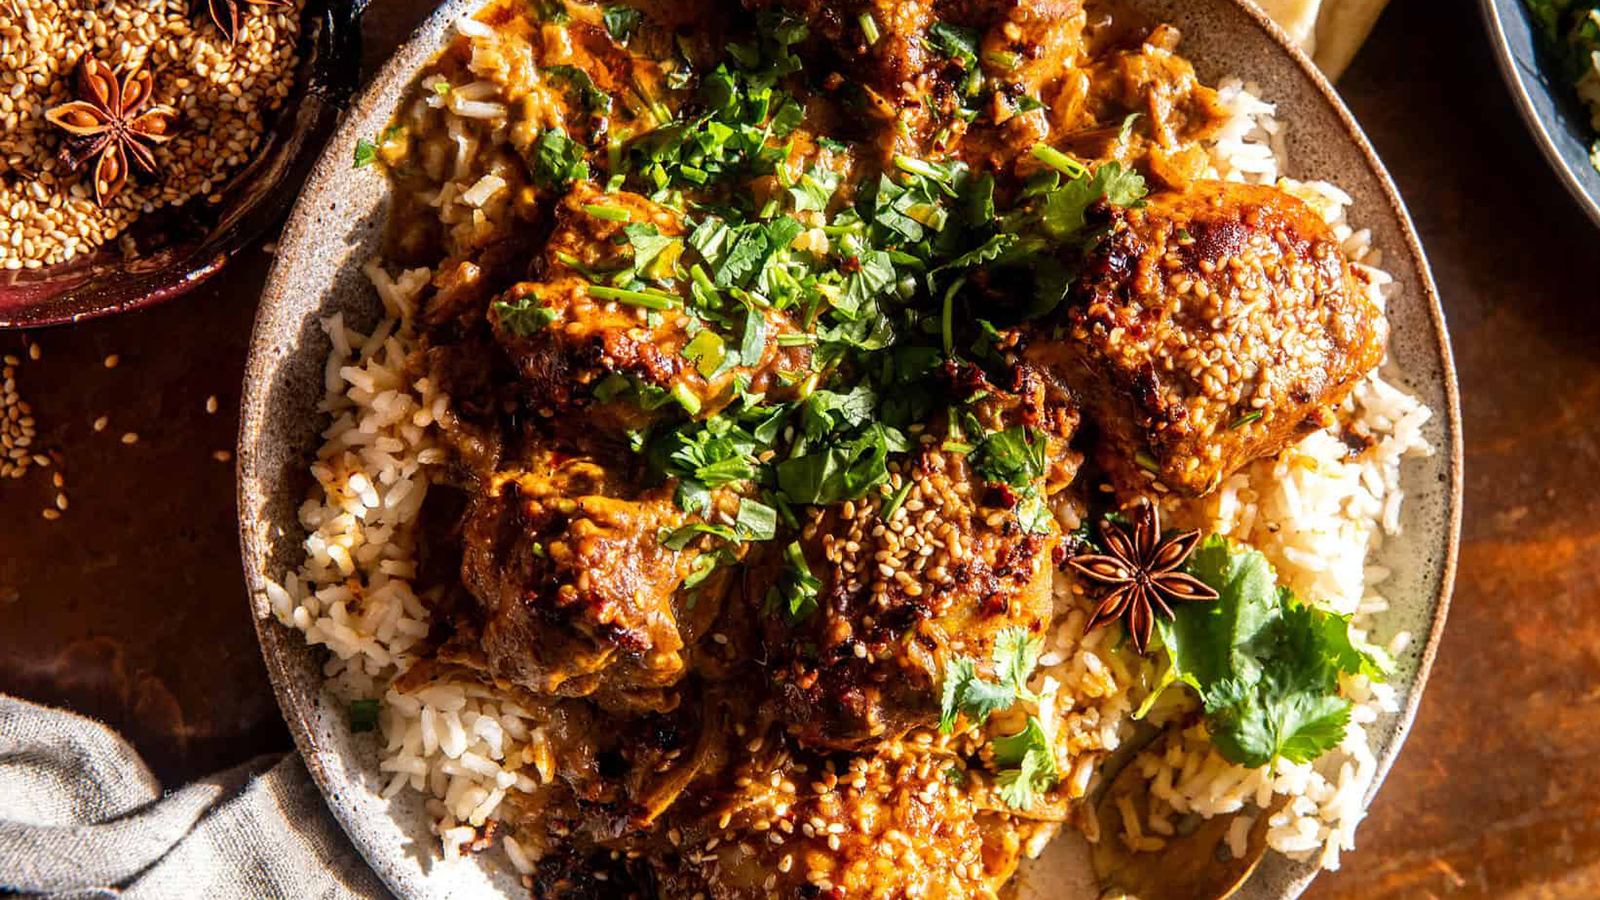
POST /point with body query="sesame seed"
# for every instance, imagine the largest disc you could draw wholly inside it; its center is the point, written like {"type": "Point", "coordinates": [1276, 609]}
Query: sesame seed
{"type": "Point", "coordinates": [211, 404]}
{"type": "Point", "coordinates": [101, 423]}
{"type": "Point", "coordinates": [130, 438]}
{"type": "Point", "coordinates": [112, 360]}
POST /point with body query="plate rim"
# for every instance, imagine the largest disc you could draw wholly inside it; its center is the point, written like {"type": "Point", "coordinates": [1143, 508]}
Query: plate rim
{"type": "Point", "coordinates": [297, 702]}
{"type": "Point", "coordinates": [1522, 88]}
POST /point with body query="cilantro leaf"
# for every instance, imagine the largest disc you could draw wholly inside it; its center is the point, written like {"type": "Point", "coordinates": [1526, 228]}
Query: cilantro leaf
{"type": "Point", "coordinates": [649, 245]}
{"type": "Point", "coordinates": [1016, 653]}
{"type": "Point", "coordinates": [827, 411]}
{"type": "Point", "coordinates": [754, 341]}
{"type": "Point", "coordinates": [523, 316]}
{"type": "Point", "coordinates": [1120, 186]}
{"type": "Point", "coordinates": [1029, 765]}
{"type": "Point", "coordinates": [366, 151]}
{"type": "Point", "coordinates": [594, 99]}
{"type": "Point", "coordinates": [622, 21]}
{"type": "Point", "coordinates": [843, 471]}
{"type": "Point", "coordinates": [710, 239]}
{"type": "Point", "coordinates": [1266, 665]}
{"type": "Point", "coordinates": [960, 44]}
{"type": "Point", "coordinates": [966, 693]}
{"type": "Point", "coordinates": [814, 189]}
{"type": "Point", "coordinates": [756, 521]}
{"type": "Point", "coordinates": [1013, 457]}
{"type": "Point", "coordinates": [558, 160]}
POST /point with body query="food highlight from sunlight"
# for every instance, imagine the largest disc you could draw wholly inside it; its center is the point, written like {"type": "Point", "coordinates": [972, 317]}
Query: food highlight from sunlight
{"type": "Point", "coordinates": [755, 484]}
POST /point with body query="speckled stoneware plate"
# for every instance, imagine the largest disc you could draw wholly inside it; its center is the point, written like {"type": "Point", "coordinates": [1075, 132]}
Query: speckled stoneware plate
{"type": "Point", "coordinates": [337, 225]}
{"type": "Point", "coordinates": [1556, 118]}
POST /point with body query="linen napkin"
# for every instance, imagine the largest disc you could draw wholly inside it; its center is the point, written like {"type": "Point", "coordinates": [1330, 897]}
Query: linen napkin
{"type": "Point", "coordinates": [82, 817]}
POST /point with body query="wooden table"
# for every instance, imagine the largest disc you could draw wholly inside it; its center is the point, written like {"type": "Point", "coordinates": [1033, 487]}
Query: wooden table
{"type": "Point", "coordinates": [131, 609]}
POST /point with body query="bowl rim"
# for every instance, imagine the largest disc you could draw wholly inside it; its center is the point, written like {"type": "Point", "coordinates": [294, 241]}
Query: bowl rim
{"type": "Point", "coordinates": [412, 54]}
{"type": "Point", "coordinates": [1523, 86]}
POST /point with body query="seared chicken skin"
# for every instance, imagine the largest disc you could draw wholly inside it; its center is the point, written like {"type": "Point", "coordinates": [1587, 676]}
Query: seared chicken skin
{"type": "Point", "coordinates": [958, 560]}
{"type": "Point", "coordinates": [577, 594]}
{"type": "Point", "coordinates": [894, 825]}
{"type": "Point", "coordinates": [1208, 329]}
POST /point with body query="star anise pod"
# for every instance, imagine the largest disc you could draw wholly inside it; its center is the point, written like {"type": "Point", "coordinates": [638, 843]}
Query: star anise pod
{"type": "Point", "coordinates": [225, 15]}
{"type": "Point", "coordinates": [109, 123]}
{"type": "Point", "coordinates": [1142, 573]}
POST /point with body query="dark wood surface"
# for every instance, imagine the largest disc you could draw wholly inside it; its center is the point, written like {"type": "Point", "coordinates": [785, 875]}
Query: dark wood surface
{"type": "Point", "coordinates": [131, 607]}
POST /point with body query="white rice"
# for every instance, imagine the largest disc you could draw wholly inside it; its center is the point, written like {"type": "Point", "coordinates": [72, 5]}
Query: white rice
{"type": "Point", "coordinates": [1315, 512]}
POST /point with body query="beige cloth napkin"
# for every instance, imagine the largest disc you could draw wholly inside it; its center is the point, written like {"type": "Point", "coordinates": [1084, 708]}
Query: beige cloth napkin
{"type": "Point", "coordinates": [1331, 31]}
{"type": "Point", "coordinates": [82, 818]}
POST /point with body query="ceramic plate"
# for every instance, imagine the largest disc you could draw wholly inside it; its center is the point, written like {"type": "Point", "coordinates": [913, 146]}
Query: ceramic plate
{"type": "Point", "coordinates": [1556, 118]}
{"type": "Point", "coordinates": [337, 226]}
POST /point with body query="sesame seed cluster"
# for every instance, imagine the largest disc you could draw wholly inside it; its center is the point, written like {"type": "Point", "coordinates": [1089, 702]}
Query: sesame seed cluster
{"type": "Point", "coordinates": [856, 828]}
{"type": "Point", "coordinates": [225, 96]}
{"type": "Point", "coordinates": [17, 426]}
{"type": "Point", "coordinates": [1213, 324]}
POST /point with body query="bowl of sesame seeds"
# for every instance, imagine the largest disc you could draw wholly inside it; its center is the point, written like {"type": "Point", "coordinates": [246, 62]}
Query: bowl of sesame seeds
{"type": "Point", "coordinates": [143, 143]}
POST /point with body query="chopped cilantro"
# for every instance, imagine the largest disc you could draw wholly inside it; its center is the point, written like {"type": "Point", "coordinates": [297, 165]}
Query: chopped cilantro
{"type": "Point", "coordinates": [797, 589]}
{"type": "Point", "coordinates": [523, 316]}
{"type": "Point", "coordinates": [814, 189]}
{"type": "Point", "coordinates": [363, 715]}
{"type": "Point", "coordinates": [756, 521]}
{"type": "Point", "coordinates": [965, 692]}
{"type": "Point", "coordinates": [558, 160]}
{"type": "Point", "coordinates": [655, 255]}
{"type": "Point", "coordinates": [1028, 765]}
{"type": "Point", "coordinates": [622, 21]}
{"type": "Point", "coordinates": [366, 152]}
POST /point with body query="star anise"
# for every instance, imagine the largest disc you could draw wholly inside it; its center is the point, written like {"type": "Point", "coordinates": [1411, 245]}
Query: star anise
{"type": "Point", "coordinates": [225, 15]}
{"type": "Point", "coordinates": [1142, 572]}
{"type": "Point", "coordinates": [109, 121]}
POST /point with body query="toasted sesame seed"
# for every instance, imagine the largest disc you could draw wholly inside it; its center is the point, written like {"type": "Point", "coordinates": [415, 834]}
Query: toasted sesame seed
{"type": "Point", "coordinates": [112, 360]}
{"type": "Point", "coordinates": [50, 514]}
{"type": "Point", "coordinates": [130, 438]}
{"type": "Point", "coordinates": [101, 423]}
{"type": "Point", "coordinates": [211, 404]}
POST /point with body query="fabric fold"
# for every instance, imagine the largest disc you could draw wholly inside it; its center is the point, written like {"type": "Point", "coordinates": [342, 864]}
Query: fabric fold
{"type": "Point", "coordinates": [83, 818]}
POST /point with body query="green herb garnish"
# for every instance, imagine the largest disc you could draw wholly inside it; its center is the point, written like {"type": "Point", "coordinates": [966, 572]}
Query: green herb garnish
{"type": "Point", "coordinates": [363, 715]}
{"type": "Point", "coordinates": [1266, 666]}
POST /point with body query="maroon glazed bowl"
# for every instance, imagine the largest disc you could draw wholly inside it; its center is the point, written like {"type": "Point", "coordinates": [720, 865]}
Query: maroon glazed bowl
{"type": "Point", "coordinates": [176, 248]}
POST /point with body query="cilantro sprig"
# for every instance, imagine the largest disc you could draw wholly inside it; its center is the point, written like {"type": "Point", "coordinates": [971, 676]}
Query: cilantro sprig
{"type": "Point", "coordinates": [1026, 763]}
{"type": "Point", "coordinates": [1266, 665]}
{"type": "Point", "coordinates": [966, 692]}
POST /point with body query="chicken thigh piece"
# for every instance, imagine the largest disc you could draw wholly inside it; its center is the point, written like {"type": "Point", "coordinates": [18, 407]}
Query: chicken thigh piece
{"type": "Point", "coordinates": [882, 827]}
{"type": "Point", "coordinates": [1210, 328]}
{"type": "Point", "coordinates": [956, 549]}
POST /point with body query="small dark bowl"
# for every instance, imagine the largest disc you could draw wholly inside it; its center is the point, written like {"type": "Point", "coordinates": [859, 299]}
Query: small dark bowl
{"type": "Point", "coordinates": [176, 248]}
{"type": "Point", "coordinates": [1555, 116]}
